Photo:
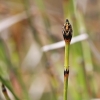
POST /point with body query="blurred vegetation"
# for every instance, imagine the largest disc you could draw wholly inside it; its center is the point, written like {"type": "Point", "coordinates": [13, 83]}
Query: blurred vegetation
{"type": "Point", "coordinates": [27, 71]}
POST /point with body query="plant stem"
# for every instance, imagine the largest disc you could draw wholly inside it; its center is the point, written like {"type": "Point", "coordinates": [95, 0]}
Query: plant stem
{"type": "Point", "coordinates": [66, 63]}
{"type": "Point", "coordinates": [66, 70]}
{"type": "Point", "coordinates": [5, 92]}
{"type": "Point", "coordinates": [67, 35]}
{"type": "Point", "coordinates": [8, 85]}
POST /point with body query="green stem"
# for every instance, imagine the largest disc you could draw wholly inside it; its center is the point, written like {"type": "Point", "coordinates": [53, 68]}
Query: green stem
{"type": "Point", "coordinates": [67, 35]}
{"type": "Point", "coordinates": [65, 88]}
{"type": "Point", "coordinates": [66, 63]}
{"type": "Point", "coordinates": [66, 69]}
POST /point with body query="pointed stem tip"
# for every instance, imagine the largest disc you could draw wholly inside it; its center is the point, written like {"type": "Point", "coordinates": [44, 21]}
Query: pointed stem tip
{"type": "Point", "coordinates": [67, 31]}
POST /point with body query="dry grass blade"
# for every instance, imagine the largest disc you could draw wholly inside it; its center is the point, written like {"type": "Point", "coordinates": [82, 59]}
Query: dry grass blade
{"type": "Point", "coordinates": [61, 44]}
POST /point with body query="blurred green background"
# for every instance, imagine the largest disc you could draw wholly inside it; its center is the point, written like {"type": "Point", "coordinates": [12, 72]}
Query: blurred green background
{"type": "Point", "coordinates": [31, 73]}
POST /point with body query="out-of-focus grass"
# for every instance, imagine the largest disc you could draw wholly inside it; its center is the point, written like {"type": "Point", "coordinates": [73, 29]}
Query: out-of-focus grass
{"type": "Point", "coordinates": [26, 70]}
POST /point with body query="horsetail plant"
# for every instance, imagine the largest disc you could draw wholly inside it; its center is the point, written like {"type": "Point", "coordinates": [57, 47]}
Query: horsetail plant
{"type": "Point", "coordinates": [67, 35]}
